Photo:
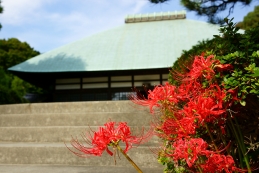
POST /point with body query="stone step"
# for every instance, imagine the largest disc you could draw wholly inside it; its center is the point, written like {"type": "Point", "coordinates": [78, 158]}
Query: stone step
{"type": "Point", "coordinates": [74, 119]}
{"type": "Point", "coordinates": [53, 133]}
{"type": "Point", "coordinates": [29, 168]}
{"type": "Point", "coordinates": [34, 134]}
{"type": "Point", "coordinates": [57, 153]}
{"type": "Point", "coordinates": [71, 107]}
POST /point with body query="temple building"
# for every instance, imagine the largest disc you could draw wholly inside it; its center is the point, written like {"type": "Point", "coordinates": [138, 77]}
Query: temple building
{"type": "Point", "coordinates": [107, 65]}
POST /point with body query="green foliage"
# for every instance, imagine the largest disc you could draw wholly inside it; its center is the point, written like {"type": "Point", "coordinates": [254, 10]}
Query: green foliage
{"type": "Point", "coordinates": [158, 1]}
{"type": "Point", "coordinates": [210, 9]}
{"type": "Point", "coordinates": [243, 78]}
{"type": "Point", "coordinates": [7, 94]}
{"type": "Point", "coordinates": [170, 166]}
{"type": "Point", "coordinates": [1, 11]}
{"type": "Point", "coordinates": [242, 51]}
{"type": "Point", "coordinates": [13, 52]}
{"type": "Point", "coordinates": [231, 47]}
{"type": "Point", "coordinates": [250, 20]}
{"type": "Point", "coordinates": [19, 85]}
{"type": "Point", "coordinates": [5, 79]}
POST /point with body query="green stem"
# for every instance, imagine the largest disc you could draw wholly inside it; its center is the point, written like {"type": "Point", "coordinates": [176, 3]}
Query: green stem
{"type": "Point", "coordinates": [240, 144]}
{"type": "Point", "coordinates": [177, 121]}
{"type": "Point", "coordinates": [240, 157]}
{"type": "Point", "coordinates": [211, 138]}
{"type": "Point", "coordinates": [239, 150]}
{"type": "Point", "coordinates": [199, 168]}
{"type": "Point", "coordinates": [129, 159]}
{"type": "Point", "coordinates": [238, 130]}
{"type": "Point", "coordinates": [224, 142]}
{"type": "Point", "coordinates": [198, 165]}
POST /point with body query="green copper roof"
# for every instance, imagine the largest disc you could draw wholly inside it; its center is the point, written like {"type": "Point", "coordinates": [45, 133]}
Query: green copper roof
{"type": "Point", "coordinates": [141, 45]}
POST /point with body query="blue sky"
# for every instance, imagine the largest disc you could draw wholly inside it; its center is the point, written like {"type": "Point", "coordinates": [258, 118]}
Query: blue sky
{"type": "Point", "coordinates": [48, 24]}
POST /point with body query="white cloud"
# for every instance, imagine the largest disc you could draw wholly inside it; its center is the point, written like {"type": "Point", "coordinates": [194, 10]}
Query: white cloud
{"type": "Point", "coordinates": [19, 12]}
{"type": "Point", "coordinates": [82, 23]}
{"type": "Point", "coordinates": [70, 22]}
{"type": "Point", "coordinates": [47, 24]}
{"type": "Point", "coordinates": [138, 7]}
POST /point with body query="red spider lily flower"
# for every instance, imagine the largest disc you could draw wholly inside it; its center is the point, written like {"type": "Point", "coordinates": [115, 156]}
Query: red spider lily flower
{"type": "Point", "coordinates": [191, 149]}
{"type": "Point", "coordinates": [215, 92]}
{"type": "Point", "coordinates": [162, 94]}
{"type": "Point", "coordinates": [188, 149]}
{"type": "Point", "coordinates": [204, 67]}
{"type": "Point", "coordinates": [201, 67]}
{"type": "Point", "coordinates": [204, 109]}
{"type": "Point", "coordinates": [109, 135]}
{"type": "Point", "coordinates": [218, 162]}
{"type": "Point", "coordinates": [207, 106]}
{"type": "Point", "coordinates": [189, 90]}
{"type": "Point", "coordinates": [172, 128]}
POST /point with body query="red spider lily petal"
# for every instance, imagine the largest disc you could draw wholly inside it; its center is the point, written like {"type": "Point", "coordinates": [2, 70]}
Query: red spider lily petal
{"type": "Point", "coordinates": [218, 162]}
{"type": "Point", "coordinates": [192, 148]}
{"type": "Point", "coordinates": [223, 67]}
{"type": "Point", "coordinates": [84, 151]}
{"type": "Point", "coordinates": [124, 133]}
{"type": "Point", "coordinates": [201, 67]}
{"type": "Point", "coordinates": [203, 53]}
{"type": "Point", "coordinates": [188, 149]}
{"type": "Point", "coordinates": [161, 94]}
{"type": "Point", "coordinates": [233, 94]}
{"type": "Point", "coordinates": [203, 108]}
{"type": "Point", "coordinates": [170, 93]}
{"type": "Point", "coordinates": [105, 136]}
{"type": "Point", "coordinates": [207, 106]}
{"type": "Point", "coordinates": [172, 128]}
{"type": "Point", "coordinates": [189, 90]}
{"type": "Point", "coordinates": [223, 130]}
{"type": "Point", "coordinates": [187, 126]}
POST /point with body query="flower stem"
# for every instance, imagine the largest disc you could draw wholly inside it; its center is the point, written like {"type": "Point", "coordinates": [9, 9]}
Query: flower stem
{"type": "Point", "coordinates": [224, 142]}
{"type": "Point", "coordinates": [199, 168]}
{"type": "Point", "coordinates": [211, 138]}
{"type": "Point", "coordinates": [129, 159]}
{"type": "Point", "coordinates": [238, 134]}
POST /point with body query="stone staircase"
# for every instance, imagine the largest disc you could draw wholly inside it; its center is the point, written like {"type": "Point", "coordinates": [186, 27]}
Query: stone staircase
{"type": "Point", "coordinates": [34, 134]}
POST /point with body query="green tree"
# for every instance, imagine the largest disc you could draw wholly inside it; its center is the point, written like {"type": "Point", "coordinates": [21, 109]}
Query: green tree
{"type": "Point", "coordinates": [12, 52]}
{"type": "Point", "coordinates": [7, 94]}
{"type": "Point", "coordinates": [209, 8]}
{"type": "Point", "coordinates": [1, 11]}
{"type": "Point", "coordinates": [250, 20]}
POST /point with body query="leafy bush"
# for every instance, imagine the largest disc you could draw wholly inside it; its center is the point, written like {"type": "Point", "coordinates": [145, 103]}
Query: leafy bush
{"type": "Point", "coordinates": [231, 47]}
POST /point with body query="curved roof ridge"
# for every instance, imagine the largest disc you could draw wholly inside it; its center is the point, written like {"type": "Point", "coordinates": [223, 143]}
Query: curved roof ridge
{"type": "Point", "coordinates": [155, 16]}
